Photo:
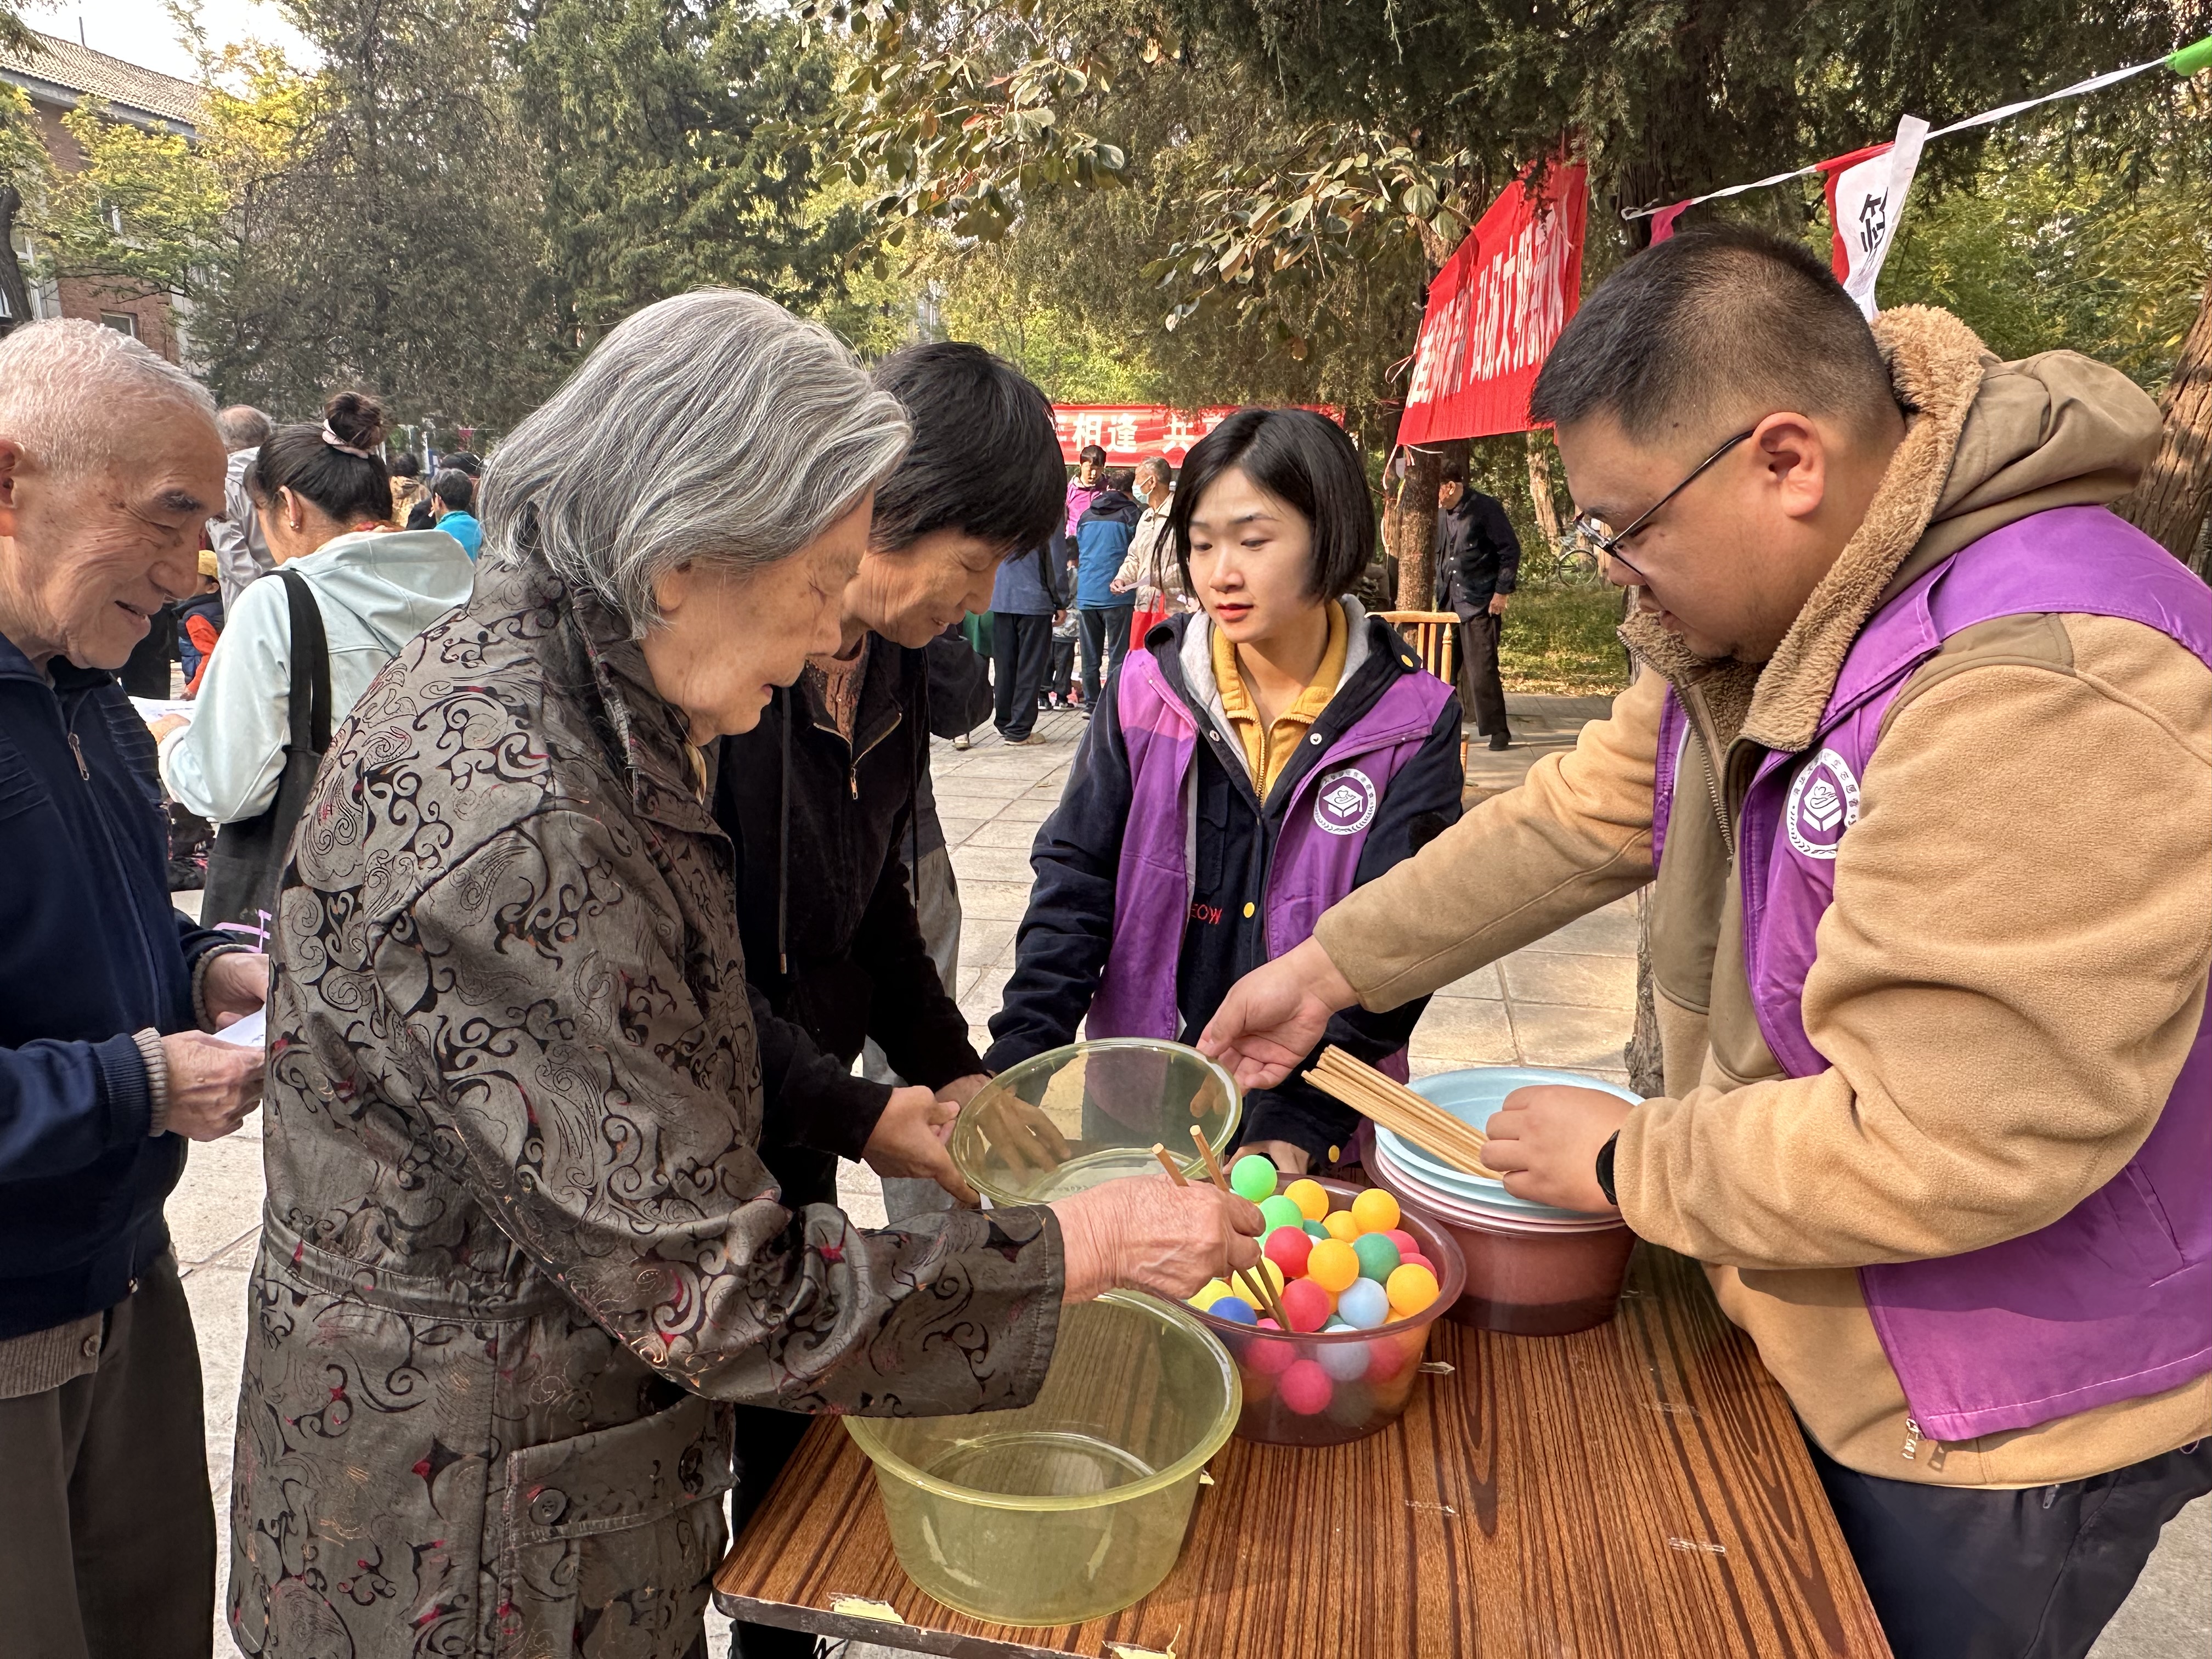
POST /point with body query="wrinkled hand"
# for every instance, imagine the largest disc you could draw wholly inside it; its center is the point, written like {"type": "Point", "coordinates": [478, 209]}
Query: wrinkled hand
{"type": "Point", "coordinates": [910, 1140]}
{"type": "Point", "coordinates": [237, 983]}
{"type": "Point", "coordinates": [962, 1090]}
{"type": "Point", "coordinates": [1272, 1017]}
{"type": "Point", "coordinates": [1146, 1233]}
{"type": "Point", "coordinates": [1545, 1140]}
{"type": "Point", "coordinates": [1290, 1159]}
{"type": "Point", "coordinates": [1497, 604]}
{"type": "Point", "coordinates": [1023, 1136]}
{"type": "Point", "coordinates": [213, 1086]}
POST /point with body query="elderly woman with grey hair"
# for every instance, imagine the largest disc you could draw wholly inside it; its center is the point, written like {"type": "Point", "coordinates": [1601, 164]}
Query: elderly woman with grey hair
{"type": "Point", "coordinates": [520, 1251]}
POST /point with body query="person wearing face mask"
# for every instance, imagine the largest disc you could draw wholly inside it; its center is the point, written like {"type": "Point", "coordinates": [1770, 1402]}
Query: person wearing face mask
{"type": "Point", "coordinates": [1917, 767]}
{"type": "Point", "coordinates": [1248, 764]}
{"type": "Point", "coordinates": [521, 1255]}
{"type": "Point", "coordinates": [298, 652]}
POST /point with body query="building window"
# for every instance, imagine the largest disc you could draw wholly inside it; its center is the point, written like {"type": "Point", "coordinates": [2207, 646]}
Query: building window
{"type": "Point", "coordinates": [122, 322]}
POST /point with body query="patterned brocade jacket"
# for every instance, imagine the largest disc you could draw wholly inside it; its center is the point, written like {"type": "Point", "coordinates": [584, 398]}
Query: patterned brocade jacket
{"type": "Point", "coordinates": [519, 1247]}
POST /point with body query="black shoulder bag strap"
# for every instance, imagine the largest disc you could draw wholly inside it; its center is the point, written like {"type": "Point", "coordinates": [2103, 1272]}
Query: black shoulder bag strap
{"type": "Point", "coordinates": [310, 704]}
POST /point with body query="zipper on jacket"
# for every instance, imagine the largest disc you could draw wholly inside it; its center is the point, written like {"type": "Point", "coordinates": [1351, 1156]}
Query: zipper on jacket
{"type": "Point", "coordinates": [1911, 1441]}
{"type": "Point", "coordinates": [115, 860]}
{"type": "Point", "coordinates": [1708, 740]}
{"type": "Point", "coordinates": [77, 750]}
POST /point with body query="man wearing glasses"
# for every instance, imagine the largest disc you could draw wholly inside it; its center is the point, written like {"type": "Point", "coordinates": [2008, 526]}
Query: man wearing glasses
{"type": "Point", "coordinates": [1918, 764]}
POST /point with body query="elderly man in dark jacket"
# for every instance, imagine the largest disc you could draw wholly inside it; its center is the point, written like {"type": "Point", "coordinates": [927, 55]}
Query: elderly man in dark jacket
{"type": "Point", "coordinates": [107, 1537]}
{"type": "Point", "coordinates": [1478, 563]}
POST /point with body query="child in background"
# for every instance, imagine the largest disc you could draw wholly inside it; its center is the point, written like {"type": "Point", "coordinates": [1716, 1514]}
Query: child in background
{"type": "Point", "coordinates": [199, 624]}
{"type": "Point", "coordinates": [1267, 755]}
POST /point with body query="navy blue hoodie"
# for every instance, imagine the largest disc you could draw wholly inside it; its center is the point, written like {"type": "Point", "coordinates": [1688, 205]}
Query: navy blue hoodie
{"type": "Point", "coordinates": [91, 950]}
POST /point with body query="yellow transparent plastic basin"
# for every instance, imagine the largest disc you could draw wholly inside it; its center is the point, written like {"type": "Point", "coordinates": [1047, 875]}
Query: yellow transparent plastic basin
{"type": "Point", "coordinates": [1065, 1120]}
{"type": "Point", "coordinates": [1074, 1506]}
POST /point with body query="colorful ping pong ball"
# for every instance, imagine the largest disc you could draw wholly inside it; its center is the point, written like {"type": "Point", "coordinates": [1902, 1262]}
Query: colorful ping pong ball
{"type": "Point", "coordinates": [1411, 1289]}
{"type": "Point", "coordinates": [1315, 1229]}
{"type": "Point", "coordinates": [1407, 1243]}
{"type": "Point", "coordinates": [1254, 1177]}
{"type": "Point", "coordinates": [1273, 1272]}
{"type": "Point", "coordinates": [1364, 1305]}
{"type": "Point", "coordinates": [1311, 1198]}
{"type": "Point", "coordinates": [1305, 1387]}
{"type": "Point", "coordinates": [1209, 1293]}
{"type": "Point", "coordinates": [1379, 1256]}
{"type": "Point", "coordinates": [1234, 1309]}
{"type": "Point", "coordinates": [1341, 1226]}
{"type": "Point", "coordinates": [1267, 1358]}
{"type": "Point", "coordinates": [1374, 1210]}
{"type": "Point", "coordinates": [1306, 1305]}
{"type": "Point", "coordinates": [1346, 1362]}
{"type": "Point", "coordinates": [1277, 1211]}
{"type": "Point", "coordinates": [1288, 1248]}
{"type": "Point", "coordinates": [1332, 1265]}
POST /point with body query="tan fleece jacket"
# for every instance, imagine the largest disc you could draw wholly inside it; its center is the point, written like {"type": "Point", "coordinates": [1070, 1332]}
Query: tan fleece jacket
{"type": "Point", "coordinates": [2014, 963]}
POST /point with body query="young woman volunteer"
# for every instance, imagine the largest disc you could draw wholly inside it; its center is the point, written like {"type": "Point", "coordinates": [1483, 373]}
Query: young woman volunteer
{"type": "Point", "coordinates": [1249, 765]}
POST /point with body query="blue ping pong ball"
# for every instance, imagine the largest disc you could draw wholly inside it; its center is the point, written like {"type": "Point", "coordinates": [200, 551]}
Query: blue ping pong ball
{"type": "Point", "coordinates": [1234, 1309]}
{"type": "Point", "coordinates": [1345, 1361]}
{"type": "Point", "coordinates": [1364, 1304]}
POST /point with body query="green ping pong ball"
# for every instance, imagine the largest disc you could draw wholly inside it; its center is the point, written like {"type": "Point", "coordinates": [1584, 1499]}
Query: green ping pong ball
{"type": "Point", "coordinates": [1254, 1177]}
{"type": "Point", "coordinates": [1276, 1211]}
{"type": "Point", "coordinates": [1379, 1256]}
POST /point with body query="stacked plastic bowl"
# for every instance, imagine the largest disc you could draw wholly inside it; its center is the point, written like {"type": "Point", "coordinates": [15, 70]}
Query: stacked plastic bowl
{"type": "Point", "coordinates": [1532, 1270]}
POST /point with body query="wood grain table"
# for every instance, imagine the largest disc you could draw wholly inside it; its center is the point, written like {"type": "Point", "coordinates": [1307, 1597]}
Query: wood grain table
{"type": "Point", "coordinates": [1636, 1492]}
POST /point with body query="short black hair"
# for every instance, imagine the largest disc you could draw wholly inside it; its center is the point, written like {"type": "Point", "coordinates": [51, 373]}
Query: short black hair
{"type": "Point", "coordinates": [985, 459]}
{"type": "Point", "coordinates": [463, 460]}
{"type": "Point", "coordinates": [1303, 460]}
{"type": "Point", "coordinates": [456, 488]}
{"type": "Point", "coordinates": [1123, 478]}
{"type": "Point", "coordinates": [1455, 472]}
{"type": "Point", "coordinates": [1092, 453]}
{"type": "Point", "coordinates": [406, 464]}
{"type": "Point", "coordinates": [352, 488]}
{"type": "Point", "coordinates": [1707, 326]}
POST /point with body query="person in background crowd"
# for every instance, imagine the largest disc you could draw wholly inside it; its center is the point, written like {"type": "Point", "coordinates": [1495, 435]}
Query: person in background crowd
{"type": "Point", "coordinates": [823, 800]}
{"type": "Point", "coordinates": [241, 551]}
{"type": "Point", "coordinates": [1151, 571]}
{"type": "Point", "coordinates": [452, 506]}
{"type": "Point", "coordinates": [1211, 773]}
{"type": "Point", "coordinates": [146, 671]}
{"type": "Point", "coordinates": [1060, 692]}
{"type": "Point", "coordinates": [1916, 768]}
{"type": "Point", "coordinates": [520, 1252]}
{"type": "Point", "coordinates": [1026, 603]}
{"type": "Point", "coordinates": [322, 496]}
{"type": "Point", "coordinates": [423, 514]}
{"type": "Point", "coordinates": [110, 464]}
{"type": "Point", "coordinates": [1477, 562]}
{"type": "Point", "coordinates": [199, 624]}
{"type": "Point", "coordinates": [1089, 478]}
{"type": "Point", "coordinates": [407, 486]}
{"type": "Point", "coordinates": [1102, 542]}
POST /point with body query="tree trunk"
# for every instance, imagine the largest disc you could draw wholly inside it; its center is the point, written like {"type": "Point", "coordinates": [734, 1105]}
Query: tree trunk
{"type": "Point", "coordinates": [1417, 522]}
{"type": "Point", "coordinates": [13, 287]}
{"type": "Point", "coordinates": [2171, 503]}
{"type": "Point", "coordinates": [1539, 490]}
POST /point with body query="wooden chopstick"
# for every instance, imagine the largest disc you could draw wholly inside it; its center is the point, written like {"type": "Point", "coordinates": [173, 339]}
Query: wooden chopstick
{"type": "Point", "coordinates": [1398, 1108]}
{"type": "Point", "coordinates": [1267, 1298]}
{"type": "Point", "coordinates": [1244, 1276]}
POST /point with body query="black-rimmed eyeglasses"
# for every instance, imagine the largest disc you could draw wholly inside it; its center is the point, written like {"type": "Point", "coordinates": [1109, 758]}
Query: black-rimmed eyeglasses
{"type": "Point", "coordinates": [1608, 540]}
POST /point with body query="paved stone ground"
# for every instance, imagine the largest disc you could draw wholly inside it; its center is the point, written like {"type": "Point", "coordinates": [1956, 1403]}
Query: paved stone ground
{"type": "Point", "coordinates": [1567, 1002]}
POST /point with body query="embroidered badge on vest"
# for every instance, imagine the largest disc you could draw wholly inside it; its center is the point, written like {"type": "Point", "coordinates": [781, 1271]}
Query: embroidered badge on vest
{"type": "Point", "coordinates": [1346, 802]}
{"type": "Point", "coordinates": [1824, 802]}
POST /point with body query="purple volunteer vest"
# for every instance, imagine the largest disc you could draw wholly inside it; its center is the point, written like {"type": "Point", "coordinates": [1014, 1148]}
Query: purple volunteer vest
{"type": "Point", "coordinates": [1317, 859]}
{"type": "Point", "coordinates": [2114, 1300]}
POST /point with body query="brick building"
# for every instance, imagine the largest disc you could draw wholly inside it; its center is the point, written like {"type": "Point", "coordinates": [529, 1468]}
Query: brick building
{"type": "Point", "coordinates": [56, 79]}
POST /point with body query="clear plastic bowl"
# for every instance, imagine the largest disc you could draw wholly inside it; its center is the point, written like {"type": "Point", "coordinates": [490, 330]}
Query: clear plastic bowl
{"type": "Point", "coordinates": [1366, 1377]}
{"type": "Point", "coordinates": [1529, 1279]}
{"type": "Point", "coordinates": [1064, 1120]}
{"type": "Point", "coordinates": [1074, 1507]}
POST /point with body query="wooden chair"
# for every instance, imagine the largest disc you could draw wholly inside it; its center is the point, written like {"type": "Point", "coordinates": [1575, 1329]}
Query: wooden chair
{"type": "Point", "coordinates": [1434, 636]}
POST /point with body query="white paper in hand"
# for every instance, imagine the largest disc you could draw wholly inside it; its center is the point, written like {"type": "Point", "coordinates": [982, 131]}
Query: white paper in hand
{"type": "Point", "coordinates": [251, 1032]}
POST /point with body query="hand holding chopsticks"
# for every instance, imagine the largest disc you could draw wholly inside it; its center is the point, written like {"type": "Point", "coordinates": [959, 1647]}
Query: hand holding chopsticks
{"type": "Point", "coordinates": [1254, 1280]}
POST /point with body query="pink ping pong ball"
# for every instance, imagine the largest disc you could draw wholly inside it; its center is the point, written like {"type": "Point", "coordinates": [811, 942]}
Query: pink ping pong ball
{"type": "Point", "coordinates": [1305, 1387]}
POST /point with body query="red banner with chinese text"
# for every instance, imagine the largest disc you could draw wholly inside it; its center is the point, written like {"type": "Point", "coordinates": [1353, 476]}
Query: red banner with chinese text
{"type": "Point", "coordinates": [1495, 310]}
{"type": "Point", "coordinates": [1130, 433]}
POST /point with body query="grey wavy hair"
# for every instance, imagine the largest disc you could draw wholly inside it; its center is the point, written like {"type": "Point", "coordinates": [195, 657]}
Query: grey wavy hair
{"type": "Point", "coordinates": [67, 388]}
{"type": "Point", "coordinates": [715, 426]}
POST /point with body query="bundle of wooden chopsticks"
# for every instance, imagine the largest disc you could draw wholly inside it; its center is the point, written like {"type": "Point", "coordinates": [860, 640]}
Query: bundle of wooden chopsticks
{"type": "Point", "coordinates": [1399, 1109]}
